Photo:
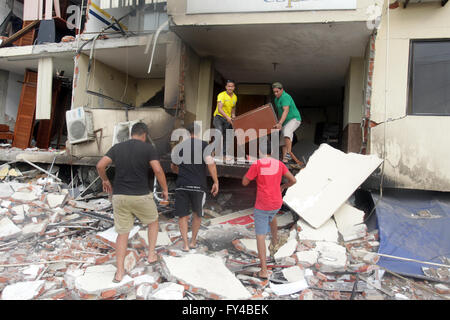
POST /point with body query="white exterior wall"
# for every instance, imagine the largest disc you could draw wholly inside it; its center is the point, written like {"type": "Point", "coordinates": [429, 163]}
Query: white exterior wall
{"type": "Point", "coordinates": [177, 9]}
{"type": "Point", "coordinates": [416, 147]}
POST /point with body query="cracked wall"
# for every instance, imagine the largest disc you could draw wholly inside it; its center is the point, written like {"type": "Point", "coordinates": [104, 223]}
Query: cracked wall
{"type": "Point", "coordinates": [416, 147]}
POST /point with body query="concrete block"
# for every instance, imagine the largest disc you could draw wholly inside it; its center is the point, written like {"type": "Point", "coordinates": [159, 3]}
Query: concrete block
{"type": "Point", "coordinates": [293, 274]}
{"type": "Point", "coordinates": [5, 190]}
{"type": "Point", "coordinates": [168, 291]}
{"type": "Point", "coordinates": [8, 229]}
{"type": "Point", "coordinates": [26, 290]}
{"type": "Point", "coordinates": [71, 274]}
{"type": "Point", "coordinates": [349, 222]}
{"type": "Point", "coordinates": [307, 257]}
{"type": "Point", "coordinates": [207, 273]}
{"type": "Point", "coordinates": [32, 271]}
{"type": "Point", "coordinates": [328, 180]}
{"type": "Point", "coordinates": [110, 236]}
{"type": "Point", "coordinates": [326, 232]}
{"type": "Point", "coordinates": [286, 250]}
{"type": "Point", "coordinates": [332, 257]}
{"type": "Point", "coordinates": [98, 279]}
{"type": "Point", "coordinates": [26, 195]}
{"type": "Point", "coordinates": [56, 200]}
{"type": "Point", "coordinates": [143, 291]}
{"type": "Point", "coordinates": [32, 229]}
{"type": "Point", "coordinates": [146, 278]}
{"type": "Point", "coordinates": [288, 288]}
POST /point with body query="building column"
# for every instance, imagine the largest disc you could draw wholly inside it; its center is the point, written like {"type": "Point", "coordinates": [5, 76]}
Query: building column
{"type": "Point", "coordinates": [353, 106]}
{"type": "Point", "coordinates": [4, 77]}
{"type": "Point", "coordinates": [205, 91]}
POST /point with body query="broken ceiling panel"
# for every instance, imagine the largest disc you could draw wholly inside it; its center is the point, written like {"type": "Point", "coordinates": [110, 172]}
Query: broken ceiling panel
{"type": "Point", "coordinates": [207, 273]}
{"type": "Point", "coordinates": [328, 180]}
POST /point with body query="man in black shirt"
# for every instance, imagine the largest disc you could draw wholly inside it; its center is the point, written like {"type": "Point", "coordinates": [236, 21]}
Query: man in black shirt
{"type": "Point", "coordinates": [131, 194]}
{"type": "Point", "coordinates": [189, 161]}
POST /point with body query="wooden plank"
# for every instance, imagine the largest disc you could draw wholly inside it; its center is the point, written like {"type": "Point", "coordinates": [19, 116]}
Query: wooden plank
{"type": "Point", "coordinates": [27, 26]}
{"type": "Point", "coordinates": [25, 114]}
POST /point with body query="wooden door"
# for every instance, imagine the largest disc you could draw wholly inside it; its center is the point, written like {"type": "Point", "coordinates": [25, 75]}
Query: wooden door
{"type": "Point", "coordinates": [26, 112]}
{"type": "Point", "coordinates": [28, 38]}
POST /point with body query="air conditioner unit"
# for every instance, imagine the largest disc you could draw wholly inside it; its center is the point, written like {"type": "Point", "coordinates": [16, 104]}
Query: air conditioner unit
{"type": "Point", "coordinates": [80, 125]}
{"type": "Point", "coordinates": [122, 131]}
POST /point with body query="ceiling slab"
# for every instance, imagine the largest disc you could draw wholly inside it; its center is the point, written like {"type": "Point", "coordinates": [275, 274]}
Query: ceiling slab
{"type": "Point", "coordinates": [298, 55]}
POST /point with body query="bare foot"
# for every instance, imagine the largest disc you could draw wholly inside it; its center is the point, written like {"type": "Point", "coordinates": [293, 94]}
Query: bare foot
{"type": "Point", "coordinates": [193, 245]}
{"type": "Point", "coordinates": [152, 257]}
{"type": "Point", "coordinates": [118, 276]}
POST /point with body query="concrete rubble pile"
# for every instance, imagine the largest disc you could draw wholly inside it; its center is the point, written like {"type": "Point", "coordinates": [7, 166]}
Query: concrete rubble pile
{"type": "Point", "coordinates": [55, 247]}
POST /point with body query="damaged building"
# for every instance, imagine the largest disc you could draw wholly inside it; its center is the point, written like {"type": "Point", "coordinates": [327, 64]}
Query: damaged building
{"type": "Point", "coordinates": [371, 84]}
{"type": "Point", "coordinates": [356, 70]}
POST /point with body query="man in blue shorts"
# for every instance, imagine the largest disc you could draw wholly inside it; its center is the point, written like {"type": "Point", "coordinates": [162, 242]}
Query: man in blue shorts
{"type": "Point", "coordinates": [268, 173]}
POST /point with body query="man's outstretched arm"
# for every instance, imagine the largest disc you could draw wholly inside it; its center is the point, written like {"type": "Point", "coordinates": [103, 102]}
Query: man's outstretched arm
{"type": "Point", "coordinates": [101, 169]}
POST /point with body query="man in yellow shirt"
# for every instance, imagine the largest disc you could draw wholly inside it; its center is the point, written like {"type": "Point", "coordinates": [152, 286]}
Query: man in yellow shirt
{"type": "Point", "coordinates": [224, 115]}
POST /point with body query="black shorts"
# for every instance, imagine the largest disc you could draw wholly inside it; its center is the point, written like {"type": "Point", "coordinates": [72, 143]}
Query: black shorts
{"type": "Point", "coordinates": [186, 200]}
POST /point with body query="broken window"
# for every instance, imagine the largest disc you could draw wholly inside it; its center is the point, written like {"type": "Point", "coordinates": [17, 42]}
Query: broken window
{"type": "Point", "coordinates": [429, 77]}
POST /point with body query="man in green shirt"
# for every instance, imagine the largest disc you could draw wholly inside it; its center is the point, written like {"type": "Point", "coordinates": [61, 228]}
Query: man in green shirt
{"type": "Point", "coordinates": [289, 119]}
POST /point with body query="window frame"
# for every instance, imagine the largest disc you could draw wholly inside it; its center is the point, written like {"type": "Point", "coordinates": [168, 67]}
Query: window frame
{"type": "Point", "coordinates": [410, 83]}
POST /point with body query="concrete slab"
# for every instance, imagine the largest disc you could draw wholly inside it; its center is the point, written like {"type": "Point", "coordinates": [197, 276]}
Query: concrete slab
{"type": "Point", "coordinates": [56, 200]}
{"type": "Point", "coordinates": [24, 196]}
{"type": "Point", "coordinates": [293, 274]}
{"type": "Point", "coordinates": [206, 273]}
{"type": "Point", "coordinates": [5, 190]}
{"type": "Point", "coordinates": [328, 180]}
{"type": "Point", "coordinates": [97, 279]}
{"type": "Point", "coordinates": [8, 229]}
{"type": "Point", "coordinates": [348, 216]}
{"type": "Point", "coordinates": [32, 229]}
{"type": "Point", "coordinates": [288, 248]}
{"type": "Point", "coordinates": [168, 291]}
{"type": "Point", "coordinates": [332, 257]}
{"type": "Point", "coordinates": [349, 222]}
{"type": "Point", "coordinates": [288, 288]}
{"type": "Point", "coordinates": [32, 271]}
{"type": "Point", "coordinates": [162, 240]}
{"type": "Point", "coordinates": [110, 235]}
{"type": "Point", "coordinates": [145, 278]}
{"type": "Point", "coordinates": [326, 232]}
{"type": "Point", "coordinates": [307, 257]}
{"type": "Point", "coordinates": [25, 290]}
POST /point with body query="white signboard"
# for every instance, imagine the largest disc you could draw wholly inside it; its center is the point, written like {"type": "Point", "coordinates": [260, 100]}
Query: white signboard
{"type": "Point", "coordinates": [229, 6]}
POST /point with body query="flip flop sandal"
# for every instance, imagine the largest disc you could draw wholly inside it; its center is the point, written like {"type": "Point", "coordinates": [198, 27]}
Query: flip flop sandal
{"type": "Point", "coordinates": [115, 280]}
{"type": "Point", "coordinates": [256, 275]}
{"type": "Point", "coordinates": [158, 260]}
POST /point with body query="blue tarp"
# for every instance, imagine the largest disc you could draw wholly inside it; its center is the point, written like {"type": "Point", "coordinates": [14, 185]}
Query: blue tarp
{"type": "Point", "coordinates": [414, 225]}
